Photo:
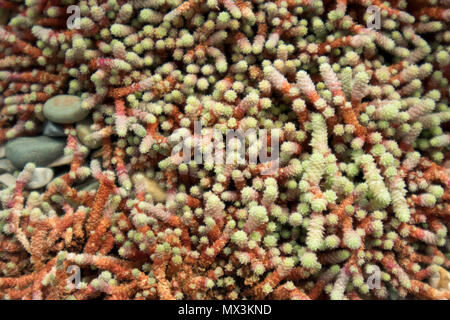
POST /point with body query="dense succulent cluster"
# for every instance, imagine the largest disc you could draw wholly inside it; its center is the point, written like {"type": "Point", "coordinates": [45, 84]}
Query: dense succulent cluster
{"type": "Point", "coordinates": [362, 188]}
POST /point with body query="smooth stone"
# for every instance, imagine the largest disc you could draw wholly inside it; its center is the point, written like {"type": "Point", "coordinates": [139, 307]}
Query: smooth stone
{"type": "Point", "coordinates": [8, 180]}
{"type": "Point", "coordinates": [152, 187]}
{"type": "Point", "coordinates": [62, 161]}
{"type": "Point", "coordinates": [64, 109]}
{"type": "Point", "coordinates": [40, 150]}
{"type": "Point", "coordinates": [88, 186]}
{"type": "Point", "coordinates": [53, 130]}
{"type": "Point", "coordinates": [440, 280]}
{"type": "Point", "coordinates": [41, 177]}
{"type": "Point", "coordinates": [83, 131]}
{"type": "Point", "coordinates": [6, 166]}
{"type": "Point", "coordinates": [3, 151]}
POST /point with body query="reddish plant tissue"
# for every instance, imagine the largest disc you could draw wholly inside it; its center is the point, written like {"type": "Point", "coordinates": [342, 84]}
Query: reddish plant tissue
{"type": "Point", "coordinates": [357, 209]}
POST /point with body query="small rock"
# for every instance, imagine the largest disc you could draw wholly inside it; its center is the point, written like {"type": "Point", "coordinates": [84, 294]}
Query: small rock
{"type": "Point", "coordinates": [6, 166]}
{"type": "Point", "coordinates": [62, 161]}
{"type": "Point", "coordinates": [41, 177]}
{"type": "Point", "coordinates": [441, 280]}
{"type": "Point", "coordinates": [89, 185]}
{"type": "Point", "coordinates": [8, 180]}
{"type": "Point", "coordinates": [40, 150]}
{"type": "Point", "coordinates": [53, 130]}
{"type": "Point", "coordinates": [152, 187]}
{"type": "Point", "coordinates": [83, 131]}
{"type": "Point", "coordinates": [65, 109]}
{"type": "Point", "coordinates": [3, 151]}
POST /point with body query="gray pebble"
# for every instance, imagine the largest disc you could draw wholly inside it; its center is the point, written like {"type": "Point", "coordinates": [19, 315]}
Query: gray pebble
{"type": "Point", "coordinates": [8, 180]}
{"type": "Point", "coordinates": [40, 150]}
{"type": "Point", "coordinates": [83, 131]}
{"type": "Point", "coordinates": [64, 109]}
{"type": "Point", "coordinates": [53, 130]}
{"type": "Point", "coordinates": [6, 166]}
{"type": "Point", "coordinates": [89, 185]}
{"type": "Point", "coordinates": [62, 161]}
{"type": "Point", "coordinates": [41, 177]}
